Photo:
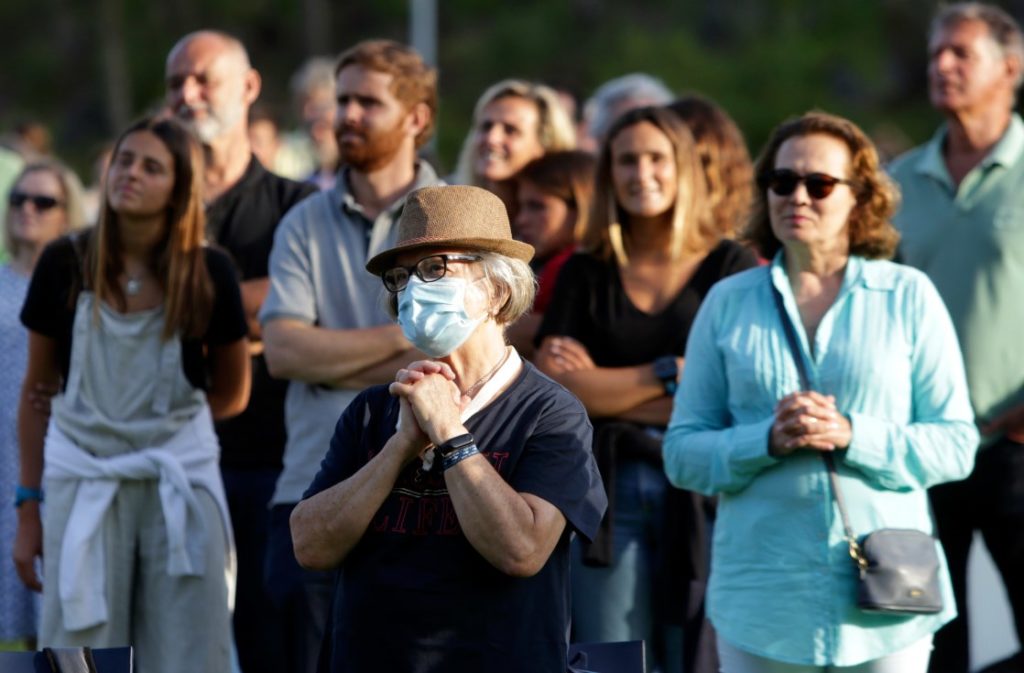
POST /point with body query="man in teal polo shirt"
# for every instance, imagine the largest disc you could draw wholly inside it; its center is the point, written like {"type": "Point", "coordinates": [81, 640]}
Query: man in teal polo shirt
{"type": "Point", "coordinates": [962, 223]}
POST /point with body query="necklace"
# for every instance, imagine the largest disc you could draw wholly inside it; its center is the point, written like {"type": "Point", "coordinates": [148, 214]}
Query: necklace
{"type": "Point", "coordinates": [133, 286]}
{"type": "Point", "coordinates": [475, 388]}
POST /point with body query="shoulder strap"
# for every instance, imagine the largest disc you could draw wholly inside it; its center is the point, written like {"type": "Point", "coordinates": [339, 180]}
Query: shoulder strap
{"type": "Point", "coordinates": [830, 466]}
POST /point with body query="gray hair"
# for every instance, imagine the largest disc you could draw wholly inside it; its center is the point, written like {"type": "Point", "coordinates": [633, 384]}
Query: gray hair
{"type": "Point", "coordinates": [1002, 28]}
{"type": "Point", "coordinates": [513, 287]}
{"type": "Point", "coordinates": [315, 73]}
{"type": "Point", "coordinates": [232, 45]}
{"type": "Point", "coordinates": [599, 109]}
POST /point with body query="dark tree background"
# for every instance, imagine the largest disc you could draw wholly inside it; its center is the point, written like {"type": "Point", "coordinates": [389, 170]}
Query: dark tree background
{"type": "Point", "coordinates": [87, 67]}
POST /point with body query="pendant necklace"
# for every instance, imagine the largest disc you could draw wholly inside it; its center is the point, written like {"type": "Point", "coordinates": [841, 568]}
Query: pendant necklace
{"type": "Point", "coordinates": [133, 286]}
{"type": "Point", "coordinates": [475, 388]}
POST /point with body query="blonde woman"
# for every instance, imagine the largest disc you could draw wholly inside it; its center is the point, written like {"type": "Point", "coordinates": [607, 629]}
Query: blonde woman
{"type": "Point", "coordinates": [44, 203]}
{"type": "Point", "coordinates": [614, 335]}
{"type": "Point", "coordinates": [514, 122]}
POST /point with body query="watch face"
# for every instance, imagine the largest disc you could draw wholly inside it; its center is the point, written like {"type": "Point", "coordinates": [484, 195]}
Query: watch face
{"type": "Point", "coordinates": [666, 368]}
{"type": "Point", "coordinates": [456, 443]}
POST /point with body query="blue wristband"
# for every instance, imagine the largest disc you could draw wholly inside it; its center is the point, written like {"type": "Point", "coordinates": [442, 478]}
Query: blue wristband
{"type": "Point", "coordinates": [23, 494]}
{"type": "Point", "coordinates": [456, 457]}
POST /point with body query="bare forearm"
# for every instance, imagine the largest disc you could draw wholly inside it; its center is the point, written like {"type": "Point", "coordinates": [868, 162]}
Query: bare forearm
{"type": "Point", "coordinates": [612, 391]}
{"type": "Point", "coordinates": [514, 537]}
{"type": "Point", "coordinates": [653, 412]}
{"type": "Point", "coordinates": [254, 292]}
{"type": "Point", "coordinates": [231, 379]}
{"type": "Point", "coordinates": [42, 370]}
{"type": "Point", "coordinates": [31, 434]}
{"type": "Point", "coordinates": [328, 525]}
{"type": "Point", "coordinates": [383, 372]}
{"type": "Point", "coordinates": [298, 351]}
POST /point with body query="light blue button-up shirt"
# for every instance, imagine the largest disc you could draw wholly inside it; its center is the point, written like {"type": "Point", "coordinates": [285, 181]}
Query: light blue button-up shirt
{"type": "Point", "coordinates": [782, 583]}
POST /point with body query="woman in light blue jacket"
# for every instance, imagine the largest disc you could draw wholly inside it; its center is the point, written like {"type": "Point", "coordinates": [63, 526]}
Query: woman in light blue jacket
{"type": "Point", "coordinates": [888, 400]}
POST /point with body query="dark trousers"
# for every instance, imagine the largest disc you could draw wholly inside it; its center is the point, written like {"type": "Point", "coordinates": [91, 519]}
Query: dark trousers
{"type": "Point", "coordinates": [257, 624]}
{"type": "Point", "coordinates": [304, 598]}
{"type": "Point", "coordinates": [991, 500]}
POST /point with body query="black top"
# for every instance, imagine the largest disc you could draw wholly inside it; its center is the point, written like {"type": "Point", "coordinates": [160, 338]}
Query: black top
{"type": "Point", "coordinates": [591, 305]}
{"type": "Point", "coordinates": [414, 594]}
{"type": "Point", "coordinates": [49, 311]}
{"type": "Point", "coordinates": [243, 221]}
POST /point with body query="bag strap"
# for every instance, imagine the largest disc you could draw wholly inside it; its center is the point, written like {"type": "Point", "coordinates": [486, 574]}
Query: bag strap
{"type": "Point", "coordinates": [856, 553]}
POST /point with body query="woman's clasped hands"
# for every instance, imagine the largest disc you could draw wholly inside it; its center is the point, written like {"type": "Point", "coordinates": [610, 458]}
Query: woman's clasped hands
{"type": "Point", "coordinates": [431, 404]}
{"type": "Point", "coordinates": [808, 420]}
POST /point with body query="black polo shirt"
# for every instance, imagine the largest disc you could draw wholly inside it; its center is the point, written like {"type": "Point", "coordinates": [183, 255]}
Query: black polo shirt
{"type": "Point", "coordinates": [243, 221]}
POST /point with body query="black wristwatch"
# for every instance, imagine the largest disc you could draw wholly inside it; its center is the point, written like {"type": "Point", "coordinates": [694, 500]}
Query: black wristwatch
{"type": "Point", "coordinates": [455, 443]}
{"type": "Point", "coordinates": [666, 368]}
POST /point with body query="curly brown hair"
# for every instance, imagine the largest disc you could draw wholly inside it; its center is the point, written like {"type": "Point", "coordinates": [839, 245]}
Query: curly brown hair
{"type": "Point", "coordinates": [871, 232]}
{"type": "Point", "coordinates": [724, 156]}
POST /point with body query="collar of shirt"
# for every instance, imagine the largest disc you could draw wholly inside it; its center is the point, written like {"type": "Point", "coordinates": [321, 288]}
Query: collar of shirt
{"type": "Point", "coordinates": [346, 200]}
{"type": "Point", "coordinates": [856, 273]}
{"type": "Point", "coordinates": [1005, 153]}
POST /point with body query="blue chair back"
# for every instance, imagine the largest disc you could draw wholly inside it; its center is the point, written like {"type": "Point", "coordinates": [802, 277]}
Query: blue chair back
{"type": "Point", "coordinates": [69, 660]}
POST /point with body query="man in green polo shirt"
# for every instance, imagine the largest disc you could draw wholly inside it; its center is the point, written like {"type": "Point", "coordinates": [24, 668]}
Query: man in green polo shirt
{"type": "Point", "coordinates": [962, 223]}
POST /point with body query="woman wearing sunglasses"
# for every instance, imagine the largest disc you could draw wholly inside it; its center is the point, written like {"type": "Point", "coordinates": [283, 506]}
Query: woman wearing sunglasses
{"type": "Point", "coordinates": [885, 398]}
{"type": "Point", "coordinates": [44, 203]}
{"type": "Point", "coordinates": [614, 335]}
{"type": "Point", "coordinates": [448, 499]}
{"type": "Point", "coordinates": [142, 325]}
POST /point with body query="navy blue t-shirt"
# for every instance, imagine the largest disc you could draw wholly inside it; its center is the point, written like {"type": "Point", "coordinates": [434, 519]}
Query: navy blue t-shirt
{"type": "Point", "coordinates": [415, 596]}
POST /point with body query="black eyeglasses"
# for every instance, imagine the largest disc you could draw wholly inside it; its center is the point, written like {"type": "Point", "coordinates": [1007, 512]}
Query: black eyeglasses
{"type": "Point", "coordinates": [39, 201]}
{"type": "Point", "coordinates": [427, 269]}
{"type": "Point", "coordinates": [783, 182]}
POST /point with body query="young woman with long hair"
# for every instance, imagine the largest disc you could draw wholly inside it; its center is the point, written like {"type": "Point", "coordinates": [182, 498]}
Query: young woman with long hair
{"type": "Point", "coordinates": [614, 334]}
{"type": "Point", "coordinates": [142, 326]}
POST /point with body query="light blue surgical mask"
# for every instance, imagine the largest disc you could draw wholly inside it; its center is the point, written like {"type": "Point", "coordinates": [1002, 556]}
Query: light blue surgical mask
{"type": "Point", "coordinates": [433, 315]}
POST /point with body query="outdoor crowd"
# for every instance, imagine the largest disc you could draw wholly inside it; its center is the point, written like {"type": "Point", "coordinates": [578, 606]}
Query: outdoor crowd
{"type": "Point", "coordinates": [607, 381]}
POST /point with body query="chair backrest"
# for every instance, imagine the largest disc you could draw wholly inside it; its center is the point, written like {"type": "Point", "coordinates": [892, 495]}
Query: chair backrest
{"type": "Point", "coordinates": [69, 660]}
{"type": "Point", "coordinates": [625, 657]}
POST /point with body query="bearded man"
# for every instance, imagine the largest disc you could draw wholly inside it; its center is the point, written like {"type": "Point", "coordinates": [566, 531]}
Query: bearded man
{"type": "Point", "coordinates": [210, 86]}
{"type": "Point", "coordinates": [325, 328]}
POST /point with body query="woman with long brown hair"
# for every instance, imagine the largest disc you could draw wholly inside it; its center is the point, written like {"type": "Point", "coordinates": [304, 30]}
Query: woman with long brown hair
{"type": "Point", "coordinates": [142, 326]}
{"type": "Point", "coordinates": [614, 335]}
{"type": "Point", "coordinates": [553, 199]}
{"type": "Point", "coordinates": [728, 170]}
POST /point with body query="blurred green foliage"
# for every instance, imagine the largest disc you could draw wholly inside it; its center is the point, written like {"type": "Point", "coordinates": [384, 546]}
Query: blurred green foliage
{"type": "Point", "coordinates": [84, 67]}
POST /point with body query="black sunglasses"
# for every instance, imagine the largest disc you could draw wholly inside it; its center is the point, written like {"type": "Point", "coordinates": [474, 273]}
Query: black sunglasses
{"type": "Point", "coordinates": [39, 201]}
{"type": "Point", "coordinates": [427, 269]}
{"type": "Point", "coordinates": [783, 182]}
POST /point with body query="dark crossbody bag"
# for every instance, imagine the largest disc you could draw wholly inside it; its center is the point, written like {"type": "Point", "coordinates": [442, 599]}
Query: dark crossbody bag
{"type": "Point", "coordinates": [898, 569]}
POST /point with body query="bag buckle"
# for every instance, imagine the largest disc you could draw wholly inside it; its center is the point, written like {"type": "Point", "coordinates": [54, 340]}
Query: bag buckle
{"type": "Point", "coordinates": [857, 554]}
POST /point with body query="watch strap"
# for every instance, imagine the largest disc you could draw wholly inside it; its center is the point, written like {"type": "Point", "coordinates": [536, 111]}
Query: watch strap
{"type": "Point", "coordinates": [23, 494]}
{"type": "Point", "coordinates": [666, 368]}
{"type": "Point", "coordinates": [455, 457]}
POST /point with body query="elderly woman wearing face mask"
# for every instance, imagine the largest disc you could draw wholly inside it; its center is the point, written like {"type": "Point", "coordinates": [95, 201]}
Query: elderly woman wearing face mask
{"type": "Point", "coordinates": [449, 497]}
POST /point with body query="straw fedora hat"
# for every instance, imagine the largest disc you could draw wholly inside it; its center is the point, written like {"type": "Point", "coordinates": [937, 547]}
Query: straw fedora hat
{"type": "Point", "coordinates": [458, 217]}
